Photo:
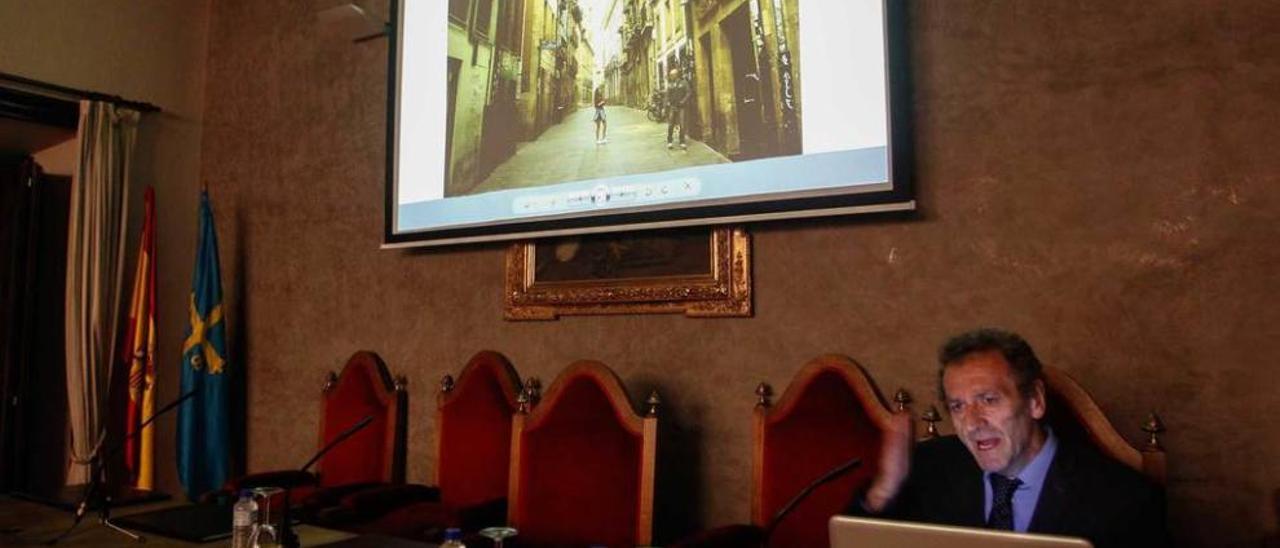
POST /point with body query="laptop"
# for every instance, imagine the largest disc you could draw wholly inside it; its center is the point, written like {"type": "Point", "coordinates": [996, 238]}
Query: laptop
{"type": "Point", "coordinates": [849, 532]}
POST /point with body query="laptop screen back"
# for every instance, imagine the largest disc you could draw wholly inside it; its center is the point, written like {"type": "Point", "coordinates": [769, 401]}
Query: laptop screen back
{"type": "Point", "coordinates": [849, 532]}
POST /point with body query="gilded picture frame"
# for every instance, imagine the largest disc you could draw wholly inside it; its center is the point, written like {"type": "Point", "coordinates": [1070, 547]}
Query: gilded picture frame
{"type": "Point", "coordinates": [700, 272]}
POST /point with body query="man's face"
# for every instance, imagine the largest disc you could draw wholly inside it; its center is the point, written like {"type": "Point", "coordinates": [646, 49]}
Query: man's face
{"type": "Point", "coordinates": [995, 421]}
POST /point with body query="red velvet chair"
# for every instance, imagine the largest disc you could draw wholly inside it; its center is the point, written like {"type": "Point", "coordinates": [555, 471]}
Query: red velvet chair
{"type": "Point", "coordinates": [473, 452]}
{"type": "Point", "coordinates": [830, 414]}
{"type": "Point", "coordinates": [582, 464]}
{"type": "Point", "coordinates": [373, 456]}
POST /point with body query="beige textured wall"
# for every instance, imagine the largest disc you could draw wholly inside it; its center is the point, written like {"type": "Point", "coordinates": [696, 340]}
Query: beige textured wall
{"type": "Point", "coordinates": [1100, 176]}
{"type": "Point", "coordinates": [144, 50]}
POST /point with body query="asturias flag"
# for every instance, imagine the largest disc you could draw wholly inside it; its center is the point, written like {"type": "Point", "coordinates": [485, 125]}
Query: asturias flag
{"type": "Point", "coordinates": [204, 448]}
{"type": "Point", "coordinates": [139, 352]}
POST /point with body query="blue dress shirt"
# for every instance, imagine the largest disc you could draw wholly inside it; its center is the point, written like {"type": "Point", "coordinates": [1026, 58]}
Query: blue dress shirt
{"type": "Point", "coordinates": [1025, 498]}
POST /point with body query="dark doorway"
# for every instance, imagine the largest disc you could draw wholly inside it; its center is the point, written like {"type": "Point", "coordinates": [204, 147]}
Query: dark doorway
{"type": "Point", "coordinates": [716, 136]}
{"type": "Point", "coordinates": [545, 104]}
{"type": "Point", "coordinates": [747, 86]}
{"type": "Point", "coordinates": [688, 67]}
{"type": "Point", "coordinates": [33, 243]}
{"type": "Point", "coordinates": [501, 127]}
{"type": "Point", "coordinates": [33, 257]}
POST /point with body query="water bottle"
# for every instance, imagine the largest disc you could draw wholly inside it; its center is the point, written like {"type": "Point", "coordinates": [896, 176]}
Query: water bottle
{"type": "Point", "coordinates": [243, 517]}
{"type": "Point", "coordinates": [453, 538]}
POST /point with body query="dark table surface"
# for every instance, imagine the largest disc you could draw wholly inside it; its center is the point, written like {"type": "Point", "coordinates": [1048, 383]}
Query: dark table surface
{"type": "Point", "coordinates": [24, 523]}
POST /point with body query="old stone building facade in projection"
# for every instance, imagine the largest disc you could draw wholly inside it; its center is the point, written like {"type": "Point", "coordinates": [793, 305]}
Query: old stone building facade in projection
{"type": "Point", "coordinates": [515, 69]}
{"type": "Point", "coordinates": [747, 76]}
{"type": "Point", "coordinates": [740, 57]}
{"type": "Point", "coordinates": [522, 71]}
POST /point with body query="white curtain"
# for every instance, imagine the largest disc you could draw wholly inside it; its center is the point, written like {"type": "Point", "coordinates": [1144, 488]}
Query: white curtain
{"type": "Point", "coordinates": [95, 271]}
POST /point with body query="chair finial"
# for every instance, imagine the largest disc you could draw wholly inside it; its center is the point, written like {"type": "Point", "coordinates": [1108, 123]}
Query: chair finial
{"type": "Point", "coordinates": [446, 383]}
{"type": "Point", "coordinates": [1153, 427]}
{"type": "Point", "coordinates": [522, 402]}
{"type": "Point", "coordinates": [901, 399]}
{"type": "Point", "coordinates": [330, 381]}
{"type": "Point", "coordinates": [653, 402]}
{"type": "Point", "coordinates": [533, 385]}
{"type": "Point", "coordinates": [931, 417]}
{"type": "Point", "coordinates": [763, 392]}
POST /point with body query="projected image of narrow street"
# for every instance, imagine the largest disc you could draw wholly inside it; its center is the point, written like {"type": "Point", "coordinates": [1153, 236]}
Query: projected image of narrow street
{"type": "Point", "coordinates": [551, 91]}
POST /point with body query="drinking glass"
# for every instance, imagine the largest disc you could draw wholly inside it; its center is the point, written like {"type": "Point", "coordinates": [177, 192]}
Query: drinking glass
{"type": "Point", "coordinates": [497, 534]}
{"type": "Point", "coordinates": [264, 527]}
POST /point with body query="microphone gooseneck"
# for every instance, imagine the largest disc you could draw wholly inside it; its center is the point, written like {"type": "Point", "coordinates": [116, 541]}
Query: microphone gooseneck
{"type": "Point", "coordinates": [97, 469]}
{"type": "Point", "coordinates": [338, 439]}
{"type": "Point", "coordinates": [808, 490]}
{"type": "Point", "coordinates": [288, 538]}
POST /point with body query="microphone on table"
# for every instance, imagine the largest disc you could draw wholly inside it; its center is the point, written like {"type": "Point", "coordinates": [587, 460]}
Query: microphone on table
{"type": "Point", "coordinates": [288, 538]}
{"type": "Point", "coordinates": [97, 468]}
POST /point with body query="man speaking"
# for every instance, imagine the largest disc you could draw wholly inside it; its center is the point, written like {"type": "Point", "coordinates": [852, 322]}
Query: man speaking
{"type": "Point", "coordinates": [1004, 468]}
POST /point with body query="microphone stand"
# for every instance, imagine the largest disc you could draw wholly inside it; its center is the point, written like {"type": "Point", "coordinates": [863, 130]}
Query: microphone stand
{"type": "Point", "coordinates": [289, 539]}
{"type": "Point", "coordinates": [98, 478]}
{"type": "Point", "coordinates": [804, 493]}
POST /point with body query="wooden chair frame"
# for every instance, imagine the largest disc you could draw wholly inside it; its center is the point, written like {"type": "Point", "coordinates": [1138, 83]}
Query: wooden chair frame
{"type": "Point", "coordinates": [644, 426]}
{"type": "Point", "coordinates": [1150, 460]}
{"type": "Point", "coordinates": [764, 415]}
{"type": "Point", "coordinates": [392, 394]}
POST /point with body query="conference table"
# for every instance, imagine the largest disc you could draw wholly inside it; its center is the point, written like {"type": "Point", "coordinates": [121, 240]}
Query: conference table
{"type": "Point", "coordinates": [25, 523]}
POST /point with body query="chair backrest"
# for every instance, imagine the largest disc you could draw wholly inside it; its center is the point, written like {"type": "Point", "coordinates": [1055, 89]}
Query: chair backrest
{"type": "Point", "coordinates": [1074, 415]}
{"type": "Point", "coordinates": [830, 413]}
{"type": "Point", "coordinates": [473, 421]}
{"type": "Point", "coordinates": [377, 452]}
{"type": "Point", "coordinates": [582, 464]}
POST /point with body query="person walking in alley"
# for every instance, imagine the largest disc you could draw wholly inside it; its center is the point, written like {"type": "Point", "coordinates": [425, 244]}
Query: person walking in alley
{"type": "Point", "coordinates": [677, 95]}
{"type": "Point", "coordinates": [602, 125]}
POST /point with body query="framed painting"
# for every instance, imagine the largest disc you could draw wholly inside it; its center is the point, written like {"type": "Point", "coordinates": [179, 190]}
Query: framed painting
{"type": "Point", "coordinates": [700, 272]}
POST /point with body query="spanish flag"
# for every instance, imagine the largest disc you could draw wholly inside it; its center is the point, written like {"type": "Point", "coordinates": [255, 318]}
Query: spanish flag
{"type": "Point", "coordinates": [139, 351]}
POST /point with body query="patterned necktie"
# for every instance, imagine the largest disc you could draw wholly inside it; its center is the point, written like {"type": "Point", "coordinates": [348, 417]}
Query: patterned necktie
{"type": "Point", "coordinates": [1002, 489]}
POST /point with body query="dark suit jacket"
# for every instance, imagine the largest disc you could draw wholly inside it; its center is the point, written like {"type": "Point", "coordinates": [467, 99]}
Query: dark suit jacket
{"type": "Point", "coordinates": [1084, 495]}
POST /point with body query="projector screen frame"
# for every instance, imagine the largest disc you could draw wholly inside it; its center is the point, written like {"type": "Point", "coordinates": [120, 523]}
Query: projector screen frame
{"type": "Point", "coordinates": [898, 197]}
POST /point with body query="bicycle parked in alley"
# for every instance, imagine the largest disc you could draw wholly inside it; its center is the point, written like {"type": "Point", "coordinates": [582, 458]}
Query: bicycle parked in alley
{"type": "Point", "coordinates": [657, 109]}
